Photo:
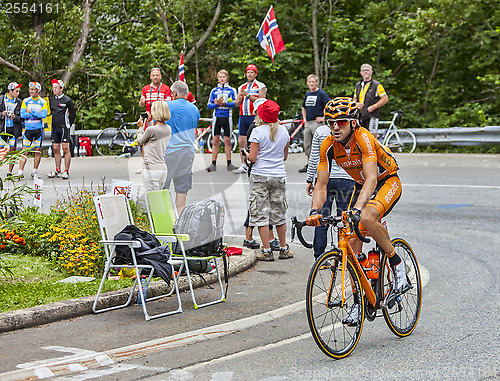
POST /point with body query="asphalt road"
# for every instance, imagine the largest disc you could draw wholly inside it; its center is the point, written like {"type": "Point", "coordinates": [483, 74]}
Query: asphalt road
{"type": "Point", "coordinates": [449, 213]}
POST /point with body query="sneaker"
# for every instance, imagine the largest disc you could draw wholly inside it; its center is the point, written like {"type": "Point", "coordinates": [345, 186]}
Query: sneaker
{"type": "Point", "coordinates": [285, 253]}
{"type": "Point", "coordinates": [138, 172]}
{"type": "Point", "coordinates": [265, 256]}
{"type": "Point", "coordinates": [303, 170]}
{"type": "Point", "coordinates": [34, 175]}
{"type": "Point", "coordinates": [211, 168]}
{"type": "Point", "coordinates": [242, 169]}
{"type": "Point", "coordinates": [401, 283]}
{"type": "Point", "coordinates": [232, 167]}
{"type": "Point", "coordinates": [51, 175]}
{"type": "Point", "coordinates": [65, 175]}
{"type": "Point", "coordinates": [352, 318]}
{"type": "Point", "coordinates": [275, 244]}
{"type": "Point", "coordinates": [253, 244]}
{"type": "Point", "coordinates": [9, 174]}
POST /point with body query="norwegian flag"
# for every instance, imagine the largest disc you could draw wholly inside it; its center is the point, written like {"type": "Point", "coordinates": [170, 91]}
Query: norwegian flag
{"type": "Point", "coordinates": [269, 35]}
{"type": "Point", "coordinates": [181, 68]}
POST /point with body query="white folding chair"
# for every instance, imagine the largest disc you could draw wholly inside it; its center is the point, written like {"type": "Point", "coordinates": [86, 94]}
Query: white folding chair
{"type": "Point", "coordinates": [113, 214]}
{"type": "Point", "coordinates": [162, 216]}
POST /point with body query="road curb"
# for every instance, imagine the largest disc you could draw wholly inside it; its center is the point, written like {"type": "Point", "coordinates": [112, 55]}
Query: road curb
{"type": "Point", "coordinates": [48, 313]}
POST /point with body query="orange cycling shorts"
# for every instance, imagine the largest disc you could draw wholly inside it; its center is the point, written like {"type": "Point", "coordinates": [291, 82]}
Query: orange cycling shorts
{"type": "Point", "coordinates": [385, 196]}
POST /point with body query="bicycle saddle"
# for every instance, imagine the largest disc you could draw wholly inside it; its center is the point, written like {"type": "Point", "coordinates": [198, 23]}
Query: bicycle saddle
{"type": "Point", "coordinates": [119, 115]}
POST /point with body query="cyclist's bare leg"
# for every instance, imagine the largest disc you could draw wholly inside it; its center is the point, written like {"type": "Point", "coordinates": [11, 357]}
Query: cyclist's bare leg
{"type": "Point", "coordinates": [67, 156]}
{"type": "Point", "coordinates": [370, 219]}
{"type": "Point", "coordinates": [227, 147]}
{"type": "Point", "coordinates": [215, 147]}
{"type": "Point", "coordinates": [56, 149]}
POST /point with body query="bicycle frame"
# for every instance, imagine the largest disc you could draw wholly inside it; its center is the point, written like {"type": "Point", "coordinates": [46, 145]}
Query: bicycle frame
{"type": "Point", "coordinates": [347, 253]}
{"type": "Point", "coordinates": [392, 126]}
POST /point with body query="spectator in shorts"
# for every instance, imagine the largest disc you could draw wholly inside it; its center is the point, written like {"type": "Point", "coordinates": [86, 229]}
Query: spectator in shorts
{"type": "Point", "coordinates": [268, 151]}
{"type": "Point", "coordinates": [154, 142]}
{"type": "Point", "coordinates": [247, 94]}
{"type": "Point", "coordinates": [179, 155]}
{"type": "Point", "coordinates": [221, 100]}
{"type": "Point", "coordinates": [369, 96]}
{"type": "Point", "coordinates": [10, 118]}
{"type": "Point", "coordinates": [314, 102]}
{"type": "Point", "coordinates": [33, 110]}
{"type": "Point", "coordinates": [63, 116]}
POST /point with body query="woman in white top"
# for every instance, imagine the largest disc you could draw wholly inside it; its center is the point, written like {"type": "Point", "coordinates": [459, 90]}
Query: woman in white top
{"type": "Point", "coordinates": [268, 151]}
{"type": "Point", "coordinates": [154, 141]}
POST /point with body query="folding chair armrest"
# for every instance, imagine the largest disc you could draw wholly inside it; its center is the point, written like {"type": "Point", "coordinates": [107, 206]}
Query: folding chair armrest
{"type": "Point", "coordinates": [134, 244]}
{"type": "Point", "coordinates": [180, 237]}
{"type": "Point", "coordinates": [166, 238]}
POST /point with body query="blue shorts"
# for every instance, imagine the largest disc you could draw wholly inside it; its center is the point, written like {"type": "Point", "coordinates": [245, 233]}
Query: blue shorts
{"type": "Point", "coordinates": [244, 123]}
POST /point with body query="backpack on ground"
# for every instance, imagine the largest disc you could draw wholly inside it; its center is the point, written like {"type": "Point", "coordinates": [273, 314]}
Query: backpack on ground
{"type": "Point", "coordinates": [204, 223]}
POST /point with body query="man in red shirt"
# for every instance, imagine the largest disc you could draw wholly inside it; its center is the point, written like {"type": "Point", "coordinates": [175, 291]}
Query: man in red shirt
{"type": "Point", "coordinates": [155, 91]}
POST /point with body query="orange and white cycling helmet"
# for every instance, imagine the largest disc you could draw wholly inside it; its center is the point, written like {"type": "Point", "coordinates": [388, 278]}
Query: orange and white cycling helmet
{"type": "Point", "coordinates": [341, 108]}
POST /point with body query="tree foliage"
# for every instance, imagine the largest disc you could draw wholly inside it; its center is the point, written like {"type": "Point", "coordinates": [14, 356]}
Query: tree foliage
{"type": "Point", "coordinates": [437, 59]}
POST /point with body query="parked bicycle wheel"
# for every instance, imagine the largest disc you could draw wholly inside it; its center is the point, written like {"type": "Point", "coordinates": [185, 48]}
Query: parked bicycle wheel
{"type": "Point", "coordinates": [324, 309]}
{"type": "Point", "coordinates": [110, 141]}
{"type": "Point", "coordinates": [234, 141]}
{"type": "Point", "coordinates": [402, 141]}
{"type": "Point", "coordinates": [403, 311]}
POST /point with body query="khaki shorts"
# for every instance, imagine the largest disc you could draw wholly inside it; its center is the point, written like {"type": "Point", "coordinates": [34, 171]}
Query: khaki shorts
{"type": "Point", "coordinates": [267, 200]}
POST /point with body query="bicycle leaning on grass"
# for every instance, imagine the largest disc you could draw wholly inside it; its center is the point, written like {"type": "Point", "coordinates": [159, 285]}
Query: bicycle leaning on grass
{"type": "Point", "coordinates": [398, 139]}
{"type": "Point", "coordinates": [340, 280]}
{"type": "Point", "coordinates": [117, 141]}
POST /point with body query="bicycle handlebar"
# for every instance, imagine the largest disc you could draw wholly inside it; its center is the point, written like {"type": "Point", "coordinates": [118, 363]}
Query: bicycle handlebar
{"type": "Point", "coordinates": [330, 220]}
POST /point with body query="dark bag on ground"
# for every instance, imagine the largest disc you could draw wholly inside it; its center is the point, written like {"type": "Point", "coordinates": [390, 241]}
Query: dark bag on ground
{"type": "Point", "coordinates": [204, 222]}
{"type": "Point", "coordinates": [150, 253]}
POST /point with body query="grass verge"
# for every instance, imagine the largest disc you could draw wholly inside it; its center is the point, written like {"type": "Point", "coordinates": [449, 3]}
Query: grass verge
{"type": "Point", "coordinates": [34, 281]}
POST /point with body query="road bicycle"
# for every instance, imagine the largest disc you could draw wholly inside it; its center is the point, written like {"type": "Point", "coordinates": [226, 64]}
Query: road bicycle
{"type": "Point", "coordinates": [340, 281]}
{"type": "Point", "coordinates": [205, 137]}
{"type": "Point", "coordinates": [117, 141]}
{"type": "Point", "coordinates": [296, 132]}
{"type": "Point", "coordinates": [398, 139]}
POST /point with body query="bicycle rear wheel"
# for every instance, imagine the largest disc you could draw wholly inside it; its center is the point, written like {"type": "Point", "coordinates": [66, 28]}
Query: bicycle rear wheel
{"type": "Point", "coordinates": [402, 141]}
{"type": "Point", "coordinates": [110, 141]}
{"type": "Point", "coordinates": [323, 305]}
{"type": "Point", "coordinates": [403, 311]}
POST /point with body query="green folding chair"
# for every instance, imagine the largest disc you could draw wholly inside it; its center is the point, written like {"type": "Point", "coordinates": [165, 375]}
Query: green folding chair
{"type": "Point", "coordinates": [162, 216]}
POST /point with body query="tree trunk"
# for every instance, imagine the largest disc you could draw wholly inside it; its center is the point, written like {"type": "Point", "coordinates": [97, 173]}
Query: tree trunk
{"type": "Point", "coordinates": [205, 35]}
{"type": "Point", "coordinates": [81, 43]}
{"type": "Point", "coordinates": [314, 5]}
{"type": "Point", "coordinates": [37, 59]}
{"type": "Point", "coordinates": [433, 73]}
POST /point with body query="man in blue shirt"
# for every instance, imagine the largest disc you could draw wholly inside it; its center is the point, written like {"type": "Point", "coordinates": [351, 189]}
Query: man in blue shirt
{"type": "Point", "coordinates": [314, 103]}
{"type": "Point", "coordinates": [221, 100]}
{"type": "Point", "coordinates": [179, 155]}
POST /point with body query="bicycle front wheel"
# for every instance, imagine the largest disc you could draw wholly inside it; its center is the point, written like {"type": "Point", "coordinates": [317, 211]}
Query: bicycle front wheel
{"type": "Point", "coordinates": [402, 141]}
{"type": "Point", "coordinates": [110, 141]}
{"type": "Point", "coordinates": [402, 312]}
{"type": "Point", "coordinates": [326, 314]}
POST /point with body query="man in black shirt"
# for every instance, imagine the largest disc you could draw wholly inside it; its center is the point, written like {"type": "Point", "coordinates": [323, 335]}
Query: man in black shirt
{"type": "Point", "coordinates": [63, 114]}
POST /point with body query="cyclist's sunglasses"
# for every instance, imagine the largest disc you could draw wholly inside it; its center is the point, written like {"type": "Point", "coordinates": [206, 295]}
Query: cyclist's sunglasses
{"type": "Point", "coordinates": [338, 122]}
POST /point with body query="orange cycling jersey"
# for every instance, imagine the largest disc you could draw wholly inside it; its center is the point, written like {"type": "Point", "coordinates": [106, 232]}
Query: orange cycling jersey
{"type": "Point", "coordinates": [364, 148]}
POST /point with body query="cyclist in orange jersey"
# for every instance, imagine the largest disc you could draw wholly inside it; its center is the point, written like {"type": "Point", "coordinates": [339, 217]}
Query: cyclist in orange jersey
{"type": "Point", "coordinates": [372, 166]}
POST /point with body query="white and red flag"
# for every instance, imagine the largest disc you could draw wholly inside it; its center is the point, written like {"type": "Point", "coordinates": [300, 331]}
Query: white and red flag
{"type": "Point", "coordinates": [270, 36]}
